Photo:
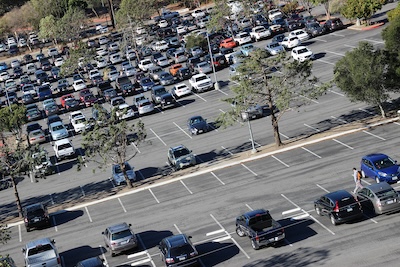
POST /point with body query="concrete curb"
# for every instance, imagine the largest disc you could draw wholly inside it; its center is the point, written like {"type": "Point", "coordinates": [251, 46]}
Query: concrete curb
{"type": "Point", "coordinates": [219, 167]}
{"type": "Point", "coordinates": [366, 28]}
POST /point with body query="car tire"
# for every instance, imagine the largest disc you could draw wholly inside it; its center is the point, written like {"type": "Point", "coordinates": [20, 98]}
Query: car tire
{"type": "Point", "coordinates": [363, 174]}
{"type": "Point", "coordinates": [333, 221]}
{"type": "Point", "coordinates": [377, 180]}
{"type": "Point", "coordinates": [318, 210]}
{"type": "Point", "coordinates": [28, 229]}
{"type": "Point", "coordinates": [112, 254]}
{"type": "Point", "coordinates": [240, 232]}
{"type": "Point", "coordinates": [254, 245]}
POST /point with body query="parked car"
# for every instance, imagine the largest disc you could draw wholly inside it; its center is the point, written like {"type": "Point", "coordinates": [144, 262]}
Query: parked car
{"type": "Point", "coordinates": [36, 137]}
{"type": "Point", "coordinates": [144, 106]}
{"type": "Point", "coordinates": [314, 29]}
{"type": "Point", "coordinates": [118, 175]}
{"type": "Point", "coordinates": [180, 157]}
{"type": "Point", "coordinates": [119, 238]}
{"type": "Point", "coordinates": [178, 250]}
{"type": "Point", "coordinates": [340, 206]}
{"type": "Point", "coordinates": [274, 48]}
{"type": "Point", "coordinates": [381, 198]}
{"type": "Point", "coordinates": [197, 125]}
{"type": "Point", "coordinates": [380, 167]}
{"type": "Point", "coordinates": [302, 53]}
{"type": "Point", "coordinates": [33, 112]}
{"type": "Point", "coordinates": [69, 102]}
{"type": "Point", "coordinates": [91, 262]}
{"type": "Point", "coordinates": [63, 149]}
{"type": "Point", "coordinates": [333, 25]}
{"type": "Point", "coordinates": [290, 42]}
{"type": "Point", "coordinates": [58, 131]}
{"type": "Point", "coordinates": [180, 90]}
{"type": "Point", "coordinates": [41, 252]}
{"type": "Point", "coordinates": [228, 43]}
{"type": "Point", "coordinates": [301, 34]}
{"type": "Point", "coordinates": [36, 216]}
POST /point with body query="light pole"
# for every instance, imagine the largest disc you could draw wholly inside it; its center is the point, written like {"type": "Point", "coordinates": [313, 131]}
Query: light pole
{"type": "Point", "coordinates": [216, 85]}
{"type": "Point", "coordinates": [245, 116]}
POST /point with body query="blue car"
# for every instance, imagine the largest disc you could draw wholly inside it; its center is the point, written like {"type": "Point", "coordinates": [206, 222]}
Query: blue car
{"type": "Point", "coordinates": [381, 168]}
{"type": "Point", "coordinates": [146, 83]}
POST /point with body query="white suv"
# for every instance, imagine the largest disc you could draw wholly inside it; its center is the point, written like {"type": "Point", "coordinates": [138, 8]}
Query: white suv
{"type": "Point", "coordinates": [63, 149]}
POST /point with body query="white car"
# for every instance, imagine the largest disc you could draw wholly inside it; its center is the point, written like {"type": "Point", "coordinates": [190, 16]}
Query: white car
{"type": "Point", "coordinates": [130, 71]}
{"type": "Point", "coordinates": [259, 32]}
{"type": "Point", "coordinates": [198, 14]}
{"type": "Point", "coordinates": [75, 114]}
{"type": "Point", "coordinates": [162, 61]}
{"type": "Point", "coordinates": [145, 64]}
{"type": "Point", "coordinates": [4, 76]}
{"type": "Point", "coordinates": [180, 90]}
{"type": "Point", "coordinates": [79, 123]}
{"type": "Point", "coordinates": [163, 23]}
{"type": "Point", "coordinates": [140, 40]}
{"type": "Point", "coordinates": [242, 38]}
{"type": "Point", "coordinates": [113, 75]}
{"type": "Point", "coordinates": [144, 106]}
{"type": "Point", "coordinates": [101, 62]}
{"type": "Point", "coordinates": [124, 112]}
{"type": "Point", "coordinates": [301, 34]}
{"type": "Point", "coordinates": [115, 58]}
{"type": "Point", "coordinates": [63, 149]}
{"type": "Point", "coordinates": [302, 53]}
{"type": "Point", "coordinates": [113, 47]}
{"type": "Point", "coordinates": [274, 13]}
{"type": "Point", "coordinates": [141, 30]}
{"type": "Point", "coordinates": [103, 29]}
{"type": "Point", "coordinates": [160, 46]}
{"type": "Point", "coordinates": [101, 51]}
{"type": "Point", "coordinates": [58, 62]}
{"type": "Point", "coordinates": [30, 68]}
{"type": "Point", "coordinates": [79, 85]}
{"type": "Point", "coordinates": [22, 42]}
{"type": "Point", "coordinates": [290, 42]}
{"type": "Point", "coordinates": [274, 48]}
{"type": "Point", "coordinates": [181, 30]}
{"type": "Point", "coordinates": [103, 40]}
{"type": "Point", "coordinates": [52, 52]}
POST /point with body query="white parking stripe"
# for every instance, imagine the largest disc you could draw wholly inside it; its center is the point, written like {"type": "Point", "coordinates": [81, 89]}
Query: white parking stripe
{"type": "Point", "coordinates": [287, 137]}
{"type": "Point", "coordinates": [103, 255]}
{"type": "Point", "coordinates": [280, 161]}
{"type": "Point", "coordinates": [87, 211]}
{"type": "Point", "coordinates": [145, 250]}
{"type": "Point", "coordinates": [213, 174]}
{"type": "Point", "coordinates": [326, 62]}
{"type": "Point", "coordinates": [183, 130]}
{"type": "Point", "coordinates": [200, 97]}
{"type": "Point", "coordinates": [137, 149]}
{"type": "Point", "coordinates": [314, 219]}
{"type": "Point", "coordinates": [154, 196]}
{"type": "Point", "coordinates": [250, 208]}
{"type": "Point", "coordinates": [321, 40]}
{"type": "Point", "coordinates": [187, 188]}
{"type": "Point", "coordinates": [55, 223]}
{"type": "Point", "coordinates": [247, 168]}
{"type": "Point", "coordinates": [257, 144]}
{"type": "Point", "coordinates": [336, 92]}
{"type": "Point", "coordinates": [215, 232]}
{"type": "Point", "coordinates": [341, 120]}
{"type": "Point", "coordinates": [227, 150]}
{"type": "Point", "coordinates": [158, 137]}
{"type": "Point", "coordinates": [366, 111]}
{"type": "Point", "coordinates": [222, 111]}
{"type": "Point", "coordinates": [19, 233]}
{"type": "Point", "coordinates": [326, 190]}
{"type": "Point", "coordinates": [234, 241]}
{"type": "Point", "coordinates": [309, 151]}
{"type": "Point", "coordinates": [343, 144]}
{"type": "Point", "coordinates": [374, 41]}
{"type": "Point", "coordinates": [177, 229]}
{"type": "Point", "coordinates": [374, 135]}
{"type": "Point", "coordinates": [336, 34]}
{"type": "Point", "coordinates": [315, 129]}
{"type": "Point", "coordinates": [309, 99]}
{"type": "Point", "coordinates": [396, 123]}
{"type": "Point", "coordinates": [335, 53]}
{"type": "Point", "coordinates": [122, 205]}
{"type": "Point", "coordinates": [222, 92]}
{"type": "Point", "coordinates": [351, 46]}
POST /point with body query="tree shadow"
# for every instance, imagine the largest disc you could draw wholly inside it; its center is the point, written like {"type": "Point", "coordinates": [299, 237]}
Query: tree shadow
{"type": "Point", "coordinates": [303, 256]}
{"type": "Point", "coordinates": [73, 256]}
{"type": "Point", "coordinates": [216, 253]}
{"type": "Point", "coordinates": [66, 216]}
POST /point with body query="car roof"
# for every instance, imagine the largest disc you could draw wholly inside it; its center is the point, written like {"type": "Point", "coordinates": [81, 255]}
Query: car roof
{"type": "Point", "coordinates": [178, 147]}
{"type": "Point", "coordinates": [255, 212]}
{"type": "Point", "coordinates": [176, 240]}
{"type": "Point", "coordinates": [91, 262]}
{"type": "Point", "coordinates": [62, 141]}
{"type": "Point", "coordinates": [38, 242]}
{"type": "Point", "coordinates": [118, 227]}
{"type": "Point", "coordinates": [337, 195]}
{"type": "Point", "coordinates": [379, 187]}
{"type": "Point", "coordinates": [376, 156]}
{"type": "Point", "coordinates": [33, 206]}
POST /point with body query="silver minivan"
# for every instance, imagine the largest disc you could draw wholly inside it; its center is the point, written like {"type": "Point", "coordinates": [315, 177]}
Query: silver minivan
{"type": "Point", "coordinates": [119, 238]}
{"type": "Point", "coordinates": [381, 198]}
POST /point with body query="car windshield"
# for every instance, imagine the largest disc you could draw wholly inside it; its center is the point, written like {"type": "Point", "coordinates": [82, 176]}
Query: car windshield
{"type": "Point", "coordinates": [70, 101]}
{"type": "Point", "coordinates": [39, 249]}
{"type": "Point", "coordinates": [58, 127]}
{"type": "Point", "coordinates": [64, 146]}
{"type": "Point", "coordinates": [122, 234]}
{"type": "Point", "coordinates": [274, 45]}
{"type": "Point", "coordinates": [181, 152]}
{"type": "Point", "coordinates": [81, 120]}
{"type": "Point", "coordinates": [160, 91]}
{"type": "Point", "coordinates": [181, 250]}
{"type": "Point", "coordinates": [196, 120]}
{"type": "Point", "coordinates": [303, 50]}
{"type": "Point", "coordinates": [201, 78]}
{"type": "Point", "coordinates": [384, 163]}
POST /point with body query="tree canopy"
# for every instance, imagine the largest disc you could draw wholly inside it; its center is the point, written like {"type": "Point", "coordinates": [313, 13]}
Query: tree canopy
{"type": "Point", "coordinates": [136, 10]}
{"type": "Point", "coordinates": [4, 234]}
{"type": "Point", "coordinates": [367, 74]}
{"type": "Point", "coordinates": [361, 9]}
{"type": "Point", "coordinates": [279, 82]}
{"type": "Point", "coordinates": [12, 118]}
{"type": "Point", "coordinates": [394, 13]}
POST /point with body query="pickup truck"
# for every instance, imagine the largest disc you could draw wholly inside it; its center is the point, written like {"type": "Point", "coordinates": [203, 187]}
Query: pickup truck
{"type": "Point", "coordinates": [124, 86]}
{"type": "Point", "coordinates": [41, 252]}
{"type": "Point", "coordinates": [200, 83]}
{"type": "Point", "coordinates": [259, 226]}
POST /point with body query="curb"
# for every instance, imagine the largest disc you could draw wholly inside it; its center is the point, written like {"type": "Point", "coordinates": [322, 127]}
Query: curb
{"type": "Point", "coordinates": [215, 168]}
{"type": "Point", "coordinates": [367, 28]}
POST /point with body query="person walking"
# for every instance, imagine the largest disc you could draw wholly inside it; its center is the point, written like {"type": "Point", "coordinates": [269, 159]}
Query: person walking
{"type": "Point", "coordinates": [357, 180]}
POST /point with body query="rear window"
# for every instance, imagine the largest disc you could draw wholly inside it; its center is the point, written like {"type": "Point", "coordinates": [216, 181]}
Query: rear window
{"type": "Point", "coordinates": [181, 250]}
{"type": "Point", "coordinates": [39, 249]}
{"type": "Point", "coordinates": [386, 193]}
{"type": "Point", "coordinates": [346, 201]}
{"type": "Point", "coordinates": [122, 234]}
{"type": "Point", "coordinates": [34, 213]}
{"type": "Point", "coordinates": [64, 146]}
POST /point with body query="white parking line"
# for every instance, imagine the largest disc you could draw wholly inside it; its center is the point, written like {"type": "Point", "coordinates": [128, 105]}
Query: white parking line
{"type": "Point", "coordinates": [312, 153]}
{"type": "Point", "coordinates": [250, 208]}
{"type": "Point", "coordinates": [396, 123]}
{"type": "Point", "coordinates": [87, 211]}
{"type": "Point", "coordinates": [374, 135]}
{"type": "Point", "coordinates": [187, 188]}
{"type": "Point", "coordinates": [83, 192]}
{"type": "Point", "coordinates": [367, 111]}
{"type": "Point", "coordinates": [200, 97]}
{"type": "Point", "coordinates": [257, 144]}
{"type": "Point", "coordinates": [351, 46]}
{"type": "Point", "coordinates": [336, 92]}
{"type": "Point", "coordinates": [335, 53]}
{"type": "Point", "coordinates": [247, 168]}
{"type": "Point", "coordinates": [223, 92]}
{"type": "Point", "coordinates": [336, 34]}
{"type": "Point", "coordinates": [213, 174]}
{"type": "Point", "coordinates": [280, 161]}
{"type": "Point", "coordinates": [343, 144]}
{"type": "Point", "coordinates": [159, 138]}
{"type": "Point", "coordinates": [287, 137]}
{"type": "Point", "coordinates": [314, 219]}
{"type": "Point", "coordinates": [19, 233]}
{"type": "Point", "coordinates": [122, 205]}
{"type": "Point", "coordinates": [309, 99]}
{"type": "Point", "coordinates": [183, 130]}
{"type": "Point", "coordinates": [233, 240]}
{"type": "Point", "coordinates": [55, 223]}
{"type": "Point", "coordinates": [341, 120]}
{"type": "Point", "coordinates": [227, 150]}
{"type": "Point", "coordinates": [154, 196]}
{"type": "Point", "coordinates": [160, 110]}
{"type": "Point", "coordinates": [326, 62]}
{"type": "Point", "coordinates": [374, 41]}
{"type": "Point", "coordinates": [177, 229]}
{"type": "Point", "coordinates": [321, 40]}
{"type": "Point", "coordinates": [137, 149]}
{"type": "Point", "coordinates": [145, 252]}
{"type": "Point", "coordinates": [215, 232]}
{"type": "Point", "coordinates": [315, 129]}
{"type": "Point", "coordinates": [222, 111]}
{"type": "Point", "coordinates": [326, 190]}
{"type": "Point", "coordinates": [103, 255]}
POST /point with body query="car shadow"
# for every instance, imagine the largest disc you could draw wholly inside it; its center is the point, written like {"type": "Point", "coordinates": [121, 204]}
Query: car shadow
{"type": "Point", "coordinates": [307, 43]}
{"type": "Point", "coordinates": [296, 230]}
{"type": "Point", "coordinates": [216, 253]}
{"type": "Point", "coordinates": [73, 256]}
{"type": "Point", "coordinates": [185, 101]}
{"type": "Point", "coordinates": [65, 216]}
{"type": "Point", "coordinates": [151, 239]}
{"type": "Point", "coordinates": [319, 55]}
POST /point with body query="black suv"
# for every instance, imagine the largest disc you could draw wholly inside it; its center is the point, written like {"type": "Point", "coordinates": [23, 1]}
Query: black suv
{"type": "Point", "coordinates": [178, 250]}
{"type": "Point", "coordinates": [36, 216]}
{"type": "Point", "coordinates": [167, 100]}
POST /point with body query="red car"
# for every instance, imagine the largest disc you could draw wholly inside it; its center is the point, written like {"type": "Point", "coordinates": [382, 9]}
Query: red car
{"type": "Point", "coordinates": [68, 102]}
{"type": "Point", "coordinates": [88, 99]}
{"type": "Point", "coordinates": [228, 43]}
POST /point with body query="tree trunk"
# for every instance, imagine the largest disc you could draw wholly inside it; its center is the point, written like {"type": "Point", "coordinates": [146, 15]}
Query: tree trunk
{"type": "Point", "coordinates": [17, 196]}
{"type": "Point", "coordinates": [274, 120]}
{"type": "Point", "coordinates": [128, 181]}
{"type": "Point", "coordinates": [327, 10]}
{"type": "Point", "coordinates": [94, 11]}
{"type": "Point", "coordinates": [383, 114]}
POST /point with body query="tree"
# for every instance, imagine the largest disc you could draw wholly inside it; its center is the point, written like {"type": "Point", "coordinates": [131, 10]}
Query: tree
{"type": "Point", "coordinates": [136, 10]}
{"type": "Point", "coordinates": [196, 40]}
{"type": "Point", "coordinates": [361, 9]}
{"type": "Point", "coordinates": [278, 81]}
{"type": "Point", "coordinates": [48, 28]}
{"type": "Point", "coordinates": [69, 27]}
{"type": "Point", "coordinates": [308, 5]}
{"type": "Point", "coordinates": [391, 36]}
{"type": "Point", "coordinates": [12, 118]}
{"type": "Point", "coordinates": [327, 6]}
{"type": "Point", "coordinates": [4, 234]}
{"type": "Point", "coordinates": [93, 4]}
{"type": "Point", "coordinates": [80, 53]}
{"type": "Point", "coordinates": [394, 13]}
{"type": "Point", "coordinates": [219, 18]}
{"type": "Point", "coordinates": [366, 74]}
{"type": "Point", "coordinates": [110, 144]}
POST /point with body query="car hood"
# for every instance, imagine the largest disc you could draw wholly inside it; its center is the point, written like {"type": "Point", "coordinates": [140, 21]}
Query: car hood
{"type": "Point", "coordinates": [395, 169]}
{"type": "Point", "coordinates": [199, 125]}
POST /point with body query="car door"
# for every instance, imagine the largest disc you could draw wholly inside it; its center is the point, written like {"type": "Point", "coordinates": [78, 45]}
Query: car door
{"type": "Point", "coordinates": [368, 168]}
{"type": "Point", "coordinates": [365, 197]}
{"type": "Point", "coordinates": [325, 206]}
{"type": "Point", "coordinates": [241, 224]}
{"type": "Point", "coordinates": [106, 236]}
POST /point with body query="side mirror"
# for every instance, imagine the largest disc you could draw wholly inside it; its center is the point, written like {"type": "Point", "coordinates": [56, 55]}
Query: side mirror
{"type": "Point", "coordinates": [190, 236]}
{"type": "Point", "coordinates": [53, 241]}
{"type": "Point", "coordinates": [23, 250]}
{"type": "Point", "coordinates": [130, 225]}
{"type": "Point", "coordinates": [102, 233]}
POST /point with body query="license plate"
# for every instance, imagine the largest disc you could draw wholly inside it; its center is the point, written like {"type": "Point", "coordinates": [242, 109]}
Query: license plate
{"type": "Point", "coordinates": [124, 242]}
{"type": "Point", "coordinates": [389, 202]}
{"type": "Point", "coordinates": [394, 178]}
{"type": "Point", "coordinates": [200, 131]}
{"type": "Point", "coordinates": [349, 209]}
{"type": "Point", "coordinates": [181, 258]}
{"type": "Point", "coordinates": [36, 219]}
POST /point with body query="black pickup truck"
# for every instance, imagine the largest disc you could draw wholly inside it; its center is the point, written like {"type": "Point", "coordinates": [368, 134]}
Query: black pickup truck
{"type": "Point", "coordinates": [259, 226]}
{"type": "Point", "coordinates": [103, 86]}
{"type": "Point", "coordinates": [124, 86]}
